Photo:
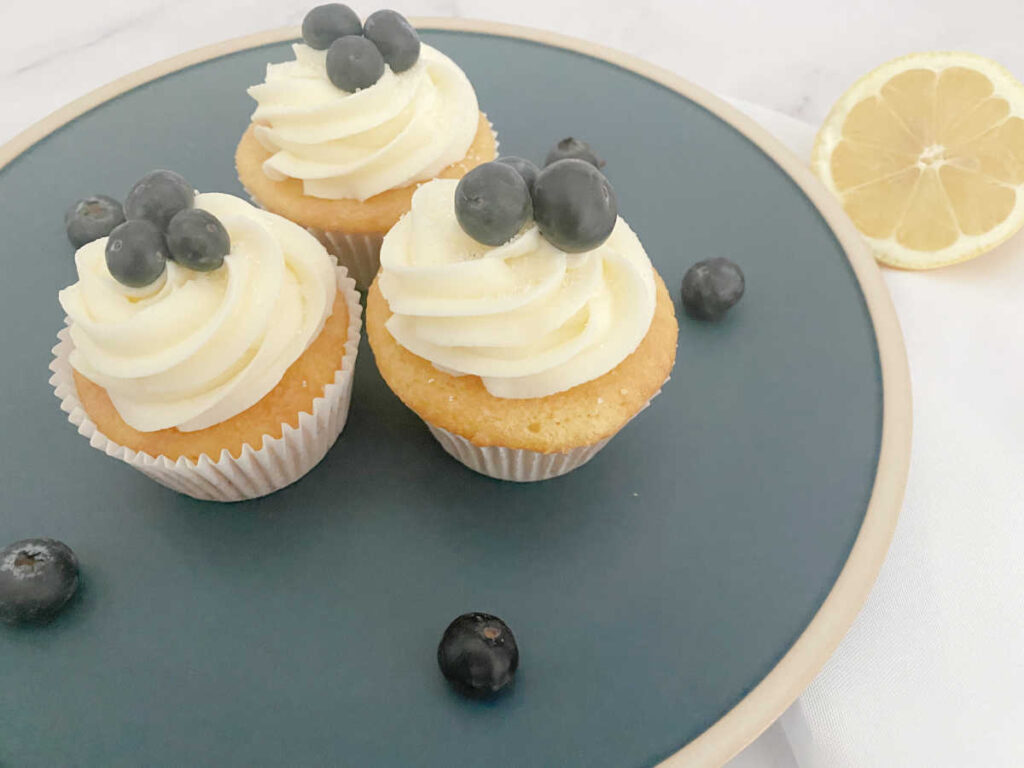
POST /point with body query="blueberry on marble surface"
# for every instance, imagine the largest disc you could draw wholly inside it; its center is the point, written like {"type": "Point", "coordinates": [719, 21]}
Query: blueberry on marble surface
{"type": "Point", "coordinates": [574, 205]}
{"type": "Point", "coordinates": [354, 63]}
{"type": "Point", "coordinates": [37, 578]}
{"type": "Point", "coordinates": [395, 37]}
{"type": "Point", "coordinates": [711, 288]}
{"type": "Point", "coordinates": [157, 196]}
{"type": "Point", "coordinates": [136, 253]}
{"type": "Point", "coordinates": [570, 148]}
{"type": "Point", "coordinates": [326, 23]}
{"type": "Point", "coordinates": [92, 218]}
{"type": "Point", "coordinates": [524, 168]}
{"type": "Point", "coordinates": [478, 654]}
{"type": "Point", "coordinates": [196, 239]}
{"type": "Point", "coordinates": [492, 202]}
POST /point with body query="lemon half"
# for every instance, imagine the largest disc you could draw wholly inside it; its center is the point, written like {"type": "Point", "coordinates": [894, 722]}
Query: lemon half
{"type": "Point", "coordinates": [926, 154]}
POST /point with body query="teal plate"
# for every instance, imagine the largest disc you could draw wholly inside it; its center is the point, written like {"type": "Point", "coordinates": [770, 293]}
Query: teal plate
{"type": "Point", "coordinates": [693, 576]}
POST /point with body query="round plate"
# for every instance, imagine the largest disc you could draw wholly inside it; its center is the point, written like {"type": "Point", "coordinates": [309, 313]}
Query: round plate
{"type": "Point", "coordinates": [670, 598]}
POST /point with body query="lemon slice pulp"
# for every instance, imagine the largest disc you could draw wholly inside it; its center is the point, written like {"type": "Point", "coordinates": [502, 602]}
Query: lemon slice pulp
{"type": "Point", "coordinates": [926, 154]}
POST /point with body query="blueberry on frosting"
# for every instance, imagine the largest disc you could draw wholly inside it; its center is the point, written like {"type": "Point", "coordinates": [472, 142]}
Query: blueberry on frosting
{"type": "Point", "coordinates": [570, 148]}
{"type": "Point", "coordinates": [326, 23]}
{"type": "Point", "coordinates": [92, 218]}
{"type": "Point", "coordinates": [196, 239]}
{"type": "Point", "coordinates": [524, 168]}
{"type": "Point", "coordinates": [570, 200]}
{"type": "Point", "coordinates": [357, 53]}
{"type": "Point", "coordinates": [157, 196]}
{"type": "Point", "coordinates": [395, 37]}
{"type": "Point", "coordinates": [136, 253]}
{"type": "Point", "coordinates": [574, 205]}
{"type": "Point", "coordinates": [354, 63]}
{"type": "Point", "coordinates": [162, 223]}
{"type": "Point", "coordinates": [492, 202]}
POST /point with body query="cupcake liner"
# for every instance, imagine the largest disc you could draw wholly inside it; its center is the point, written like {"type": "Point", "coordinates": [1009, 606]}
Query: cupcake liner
{"type": "Point", "coordinates": [514, 464]}
{"type": "Point", "coordinates": [360, 254]}
{"type": "Point", "coordinates": [519, 465]}
{"type": "Point", "coordinates": [280, 462]}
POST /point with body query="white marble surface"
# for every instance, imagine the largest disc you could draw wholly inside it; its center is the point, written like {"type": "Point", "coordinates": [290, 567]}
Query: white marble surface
{"type": "Point", "coordinates": [795, 56]}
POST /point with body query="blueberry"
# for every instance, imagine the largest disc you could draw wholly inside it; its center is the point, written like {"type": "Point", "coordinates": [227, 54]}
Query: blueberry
{"type": "Point", "coordinates": [37, 578]}
{"type": "Point", "coordinates": [398, 42]}
{"type": "Point", "coordinates": [523, 167]}
{"type": "Point", "coordinates": [492, 202]}
{"type": "Point", "coordinates": [326, 23]}
{"type": "Point", "coordinates": [478, 653]}
{"type": "Point", "coordinates": [157, 196]}
{"type": "Point", "coordinates": [711, 288]}
{"type": "Point", "coordinates": [354, 63]}
{"type": "Point", "coordinates": [570, 148]}
{"type": "Point", "coordinates": [574, 205]}
{"type": "Point", "coordinates": [136, 253]}
{"type": "Point", "coordinates": [92, 218]}
{"type": "Point", "coordinates": [196, 239]}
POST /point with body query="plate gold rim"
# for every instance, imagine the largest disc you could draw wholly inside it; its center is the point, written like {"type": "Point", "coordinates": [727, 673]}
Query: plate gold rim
{"type": "Point", "coordinates": [797, 668]}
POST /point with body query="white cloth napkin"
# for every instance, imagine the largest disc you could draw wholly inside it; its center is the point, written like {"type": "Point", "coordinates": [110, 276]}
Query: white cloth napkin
{"type": "Point", "coordinates": [931, 675]}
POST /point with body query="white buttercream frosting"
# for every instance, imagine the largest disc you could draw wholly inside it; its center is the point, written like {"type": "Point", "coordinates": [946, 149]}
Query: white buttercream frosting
{"type": "Point", "coordinates": [197, 348]}
{"type": "Point", "coordinates": [527, 318]}
{"type": "Point", "coordinates": [404, 128]}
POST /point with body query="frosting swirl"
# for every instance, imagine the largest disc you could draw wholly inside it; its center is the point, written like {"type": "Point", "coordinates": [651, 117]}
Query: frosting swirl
{"type": "Point", "coordinates": [527, 318]}
{"type": "Point", "coordinates": [196, 348]}
{"type": "Point", "coordinates": [402, 129]}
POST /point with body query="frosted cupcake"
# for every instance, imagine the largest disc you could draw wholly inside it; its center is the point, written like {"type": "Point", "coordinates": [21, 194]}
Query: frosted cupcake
{"type": "Point", "coordinates": [525, 345]}
{"type": "Point", "coordinates": [223, 372]}
{"type": "Point", "coordinates": [343, 134]}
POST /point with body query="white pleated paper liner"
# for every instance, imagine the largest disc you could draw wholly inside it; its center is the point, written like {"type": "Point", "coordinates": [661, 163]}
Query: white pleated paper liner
{"type": "Point", "coordinates": [360, 254]}
{"type": "Point", "coordinates": [515, 464]}
{"type": "Point", "coordinates": [280, 462]}
{"type": "Point", "coordinates": [519, 465]}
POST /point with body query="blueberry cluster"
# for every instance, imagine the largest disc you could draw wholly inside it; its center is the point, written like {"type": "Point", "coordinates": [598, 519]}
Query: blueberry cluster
{"type": "Point", "coordinates": [571, 201]}
{"type": "Point", "coordinates": [158, 222]}
{"type": "Point", "coordinates": [357, 52]}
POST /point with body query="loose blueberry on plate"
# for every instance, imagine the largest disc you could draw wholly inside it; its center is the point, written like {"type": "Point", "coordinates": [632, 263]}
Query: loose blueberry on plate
{"type": "Point", "coordinates": [523, 167]}
{"type": "Point", "coordinates": [157, 196]}
{"type": "Point", "coordinates": [136, 253]}
{"type": "Point", "coordinates": [398, 42]}
{"type": "Point", "coordinates": [196, 239]}
{"type": "Point", "coordinates": [574, 205]}
{"type": "Point", "coordinates": [711, 288]}
{"type": "Point", "coordinates": [326, 23]}
{"type": "Point", "coordinates": [92, 218]}
{"type": "Point", "coordinates": [478, 653]}
{"type": "Point", "coordinates": [37, 578]}
{"type": "Point", "coordinates": [492, 202]}
{"type": "Point", "coordinates": [570, 148]}
{"type": "Point", "coordinates": [354, 63]}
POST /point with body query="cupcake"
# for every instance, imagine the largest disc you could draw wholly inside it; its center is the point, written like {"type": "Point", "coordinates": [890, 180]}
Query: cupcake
{"type": "Point", "coordinates": [525, 328]}
{"type": "Point", "coordinates": [223, 372]}
{"type": "Point", "coordinates": [343, 134]}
